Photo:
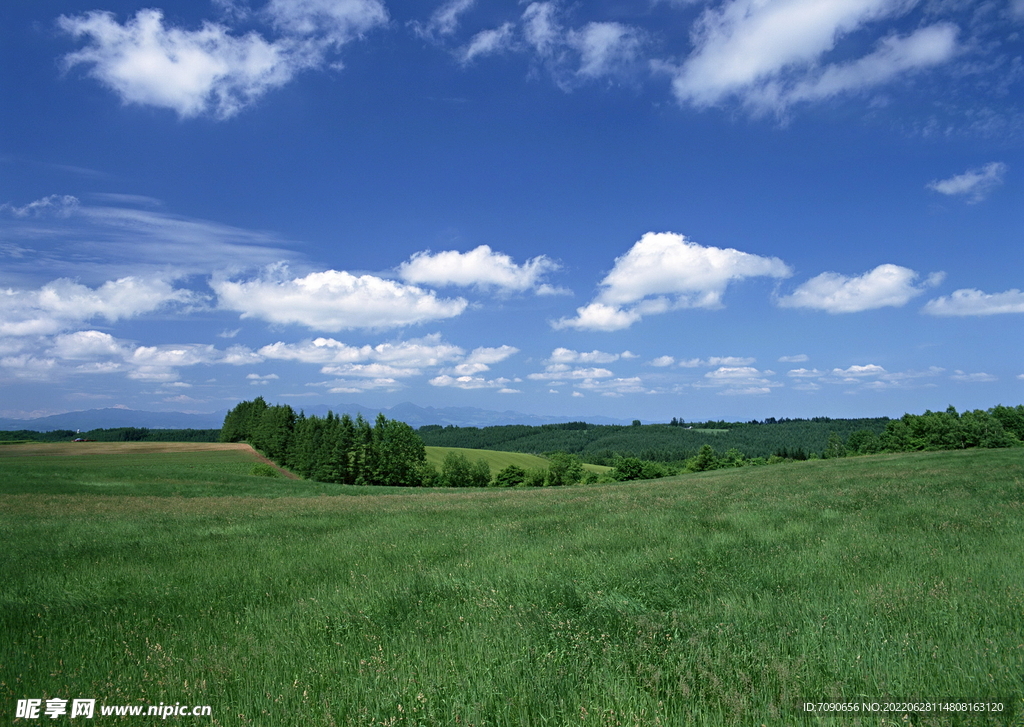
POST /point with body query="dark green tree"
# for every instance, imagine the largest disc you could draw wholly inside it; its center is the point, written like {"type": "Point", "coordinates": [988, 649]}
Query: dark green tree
{"type": "Point", "coordinates": [510, 476]}
{"type": "Point", "coordinates": [564, 469]}
{"type": "Point", "coordinates": [706, 459]}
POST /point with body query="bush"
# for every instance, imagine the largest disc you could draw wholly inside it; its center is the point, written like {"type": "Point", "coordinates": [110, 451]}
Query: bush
{"type": "Point", "coordinates": [262, 469]}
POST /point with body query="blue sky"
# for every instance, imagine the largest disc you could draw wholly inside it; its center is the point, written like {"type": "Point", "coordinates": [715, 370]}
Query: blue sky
{"type": "Point", "coordinates": [664, 208]}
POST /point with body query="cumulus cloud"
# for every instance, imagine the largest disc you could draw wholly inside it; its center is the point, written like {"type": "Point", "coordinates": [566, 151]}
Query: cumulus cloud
{"type": "Point", "coordinates": [480, 268]}
{"type": "Point", "coordinates": [334, 300]}
{"type": "Point", "coordinates": [562, 372]}
{"type": "Point", "coordinates": [472, 382]}
{"type": "Point", "coordinates": [567, 355]}
{"type": "Point", "coordinates": [769, 54]}
{"type": "Point", "coordinates": [481, 359]}
{"type": "Point", "coordinates": [212, 70]}
{"type": "Point", "coordinates": [974, 185]}
{"type": "Point", "coordinates": [886, 285]}
{"type": "Point", "coordinates": [717, 361]}
{"type": "Point", "coordinates": [666, 271]}
{"type": "Point", "coordinates": [427, 351]}
{"type": "Point", "coordinates": [739, 380]}
{"type": "Point", "coordinates": [971, 302]}
{"type": "Point", "coordinates": [865, 377]}
{"type": "Point", "coordinates": [98, 352]}
{"type": "Point", "coordinates": [64, 303]}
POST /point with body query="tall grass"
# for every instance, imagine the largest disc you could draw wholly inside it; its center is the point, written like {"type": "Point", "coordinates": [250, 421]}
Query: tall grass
{"type": "Point", "coordinates": [721, 598]}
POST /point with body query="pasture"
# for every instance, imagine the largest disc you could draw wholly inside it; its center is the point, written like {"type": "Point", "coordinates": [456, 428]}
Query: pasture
{"type": "Point", "coordinates": [722, 598]}
{"type": "Point", "coordinates": [498, 461]}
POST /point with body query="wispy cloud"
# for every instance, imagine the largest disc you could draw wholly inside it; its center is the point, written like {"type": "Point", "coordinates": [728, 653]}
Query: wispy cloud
{"type": "Point", "coordinates": [770, 55]}
{"type": "Point", "coordinates": [974, 185]}
{"type": "Point", "coordinates": [971, 302]}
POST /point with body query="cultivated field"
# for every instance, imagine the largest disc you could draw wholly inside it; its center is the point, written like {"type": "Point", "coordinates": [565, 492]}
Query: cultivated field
{"type": "Point", "coordinates": [723, 598]}
{"type": "Point", "coordinates": [498, 461]}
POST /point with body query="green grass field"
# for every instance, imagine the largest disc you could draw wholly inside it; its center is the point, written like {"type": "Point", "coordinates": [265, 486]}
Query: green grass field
{"type": "Point", "coordinates": [500, 460]}
{"type": "Point", "coordinates": [722, 598]}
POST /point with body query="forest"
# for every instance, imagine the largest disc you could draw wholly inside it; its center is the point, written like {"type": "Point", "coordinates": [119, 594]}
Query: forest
{"type": "Point", "coordinates": [116, 434]}
{"type": "Point", "coordinates": [388, 452]}
{"type": "Point", "coordinates": [798, 439]}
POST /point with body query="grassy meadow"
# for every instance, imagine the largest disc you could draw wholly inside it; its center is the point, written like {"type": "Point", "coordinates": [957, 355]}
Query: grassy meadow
{"type": "Point", "coordinates": [722, 598]}
{"type": "Point", "coordinates": [498, 461]}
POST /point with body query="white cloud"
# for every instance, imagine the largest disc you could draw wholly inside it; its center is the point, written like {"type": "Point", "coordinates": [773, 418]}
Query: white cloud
{"type": "Point", "coordinates": [210, 70]}
{"type": "Point", "coordinates": [481, 359]}
{"type": "Point", "coordinates": [717, 361]}
{"type": "Point", "coordinates": [334, 300]}
{"type": "Point", "coordinates": [864, 377]}
{"type": "Point", "coordinates": [574, 55]}
{"type": "Point", "coordinates": [663, 361]}
{"type": "Point", "coordinates": [739, 380]}
{"type": "Point", "coordinates": [328, 21]}
{"type": "Point", "coordinates": [95, 243]}
{"type": "Point", "coordinates": [769, 54]}
{"type": "Point", "coordinates": [57, 205]}
{"type": "Point", "coordinates": [857, 371]}
{"type": "Point", "coordinates": [541, 28]}
{"type": "Point", "coordinates": [63, 303]}
{"type": "Point", "coordinates": [598, 317]}
{"type": "Point", "coordinates": [371, 371]}
{"type": "Point", "coordinates": [471, 382]}
{"type": "Point", "coordinates": [805, 373]}
{"type": "Point", "coordinates": [480, 267]}
{"type": "Point", "coordinates": [798, 358]}
{"type": "Point", "coordinates": [886, 285]}
{"type": "Point", "coordinates": [489, 42]}
{"type": "Point", "coordinates": [614, 387]}
{"type": "Point", "coordinates": [970, 302]}
{"type": "Point", "coordinates": [358, 386]}
{"type": "Point", "coordinates": [974, 184]}
{"type": "Point", "coordinates": [567, 355]}
{"type": "Point", "coordinates": [257, 380]}
{"type": "Point", "coordinates": [444, 20]}
{"type": "Point", "coordinates": [190, 72]}
{"type": "Point", "coordinates": [97, 352]}
{"type": "Point", "coordinates": [895, 55]}
{"type": "Point", "coordinates": [415, 353]}
{"type": "Point", "coordinates": [562, 372]}
{"type": "Point", "coordinates": [88, 345]}
{"type": "Point", "coordinates": [978, 378]}
{"type": "Point", "coordinates": [666, 271]}
{"type": "Point", "coordinates": [604, 48]}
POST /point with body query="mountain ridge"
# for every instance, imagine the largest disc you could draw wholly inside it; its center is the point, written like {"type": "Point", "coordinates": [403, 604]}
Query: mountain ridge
{"type": "Point", "coordinates": [412, 414]}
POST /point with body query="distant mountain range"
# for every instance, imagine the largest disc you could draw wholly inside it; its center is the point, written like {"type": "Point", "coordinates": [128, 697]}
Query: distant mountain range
{"type": "Point", "coordinates": [411, 414]}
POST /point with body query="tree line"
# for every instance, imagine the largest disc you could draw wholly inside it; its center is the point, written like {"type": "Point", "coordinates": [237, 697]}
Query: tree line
{"type": "Point", "coordinates": [388, 452]}
{"type": "Point", "coordinates": [333, 448]}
